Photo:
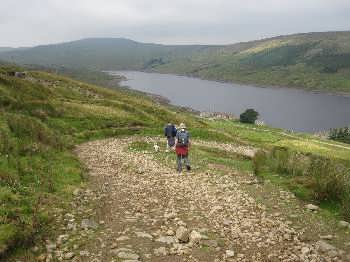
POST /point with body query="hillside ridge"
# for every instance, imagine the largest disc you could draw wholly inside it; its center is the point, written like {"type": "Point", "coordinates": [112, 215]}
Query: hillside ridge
{"type": "Point", "coordinates": [313, 61]}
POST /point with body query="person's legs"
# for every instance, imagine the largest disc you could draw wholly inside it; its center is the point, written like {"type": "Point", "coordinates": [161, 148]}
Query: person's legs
{"type": "Point", "coordinates": [187, 162]}
{"type": "Point", "coordinates": [179, 163]}
{"type": "Point", "coordinates": [170, 143]}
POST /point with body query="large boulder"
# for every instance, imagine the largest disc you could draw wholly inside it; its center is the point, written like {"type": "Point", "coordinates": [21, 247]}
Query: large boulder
{"type": "Point", "coordinates": [312, 207]}
{"type": "Point", "coordinates": [182, 234]}
{"type": "Point", "coordinates": [324, 247]}
{"type": "Point", "coordinates": [167, 240]}
{"type": "Point", "coordinates": [195, 237]}
{"type": "Point", "coordinates": [229, 253]}
{"type": "Point", "coordinates": [344, 224]}
{"type": "Point", "coordinates": [88, 224]}
{"type": "Point", "coordinates": [161, 251]}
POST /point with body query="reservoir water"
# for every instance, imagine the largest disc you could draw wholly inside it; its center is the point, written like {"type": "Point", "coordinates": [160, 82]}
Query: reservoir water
{"type": "Point", "coordinates": [287, 108]}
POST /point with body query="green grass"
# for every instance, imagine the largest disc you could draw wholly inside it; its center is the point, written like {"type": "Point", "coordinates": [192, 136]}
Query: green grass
{"type": "Point", "coordinates": [266, 137]}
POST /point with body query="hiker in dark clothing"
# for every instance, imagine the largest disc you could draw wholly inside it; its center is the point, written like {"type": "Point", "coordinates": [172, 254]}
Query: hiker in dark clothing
{"type": "Point", "coordinates": [182, 147]}
{"type": "Point", "coordinates": [170, 133]}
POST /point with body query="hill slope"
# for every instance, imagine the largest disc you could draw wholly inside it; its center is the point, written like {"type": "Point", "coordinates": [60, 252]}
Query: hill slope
{"type": "Point", "coordinates": [43, 116]}
{"type": "Point", "coordinates": [318, 61]}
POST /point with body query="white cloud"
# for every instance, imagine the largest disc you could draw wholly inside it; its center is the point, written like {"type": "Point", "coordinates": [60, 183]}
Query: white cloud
{"type": "Point", "coordinates": [31, 22]}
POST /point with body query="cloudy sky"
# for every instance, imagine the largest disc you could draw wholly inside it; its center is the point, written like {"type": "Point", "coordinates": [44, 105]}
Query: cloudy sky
{"type": "Point", "coordinates": [33, 22]}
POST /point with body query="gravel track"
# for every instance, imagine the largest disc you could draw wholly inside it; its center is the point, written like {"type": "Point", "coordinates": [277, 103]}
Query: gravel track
{"type": "Point", "coordinates": [150, 213]}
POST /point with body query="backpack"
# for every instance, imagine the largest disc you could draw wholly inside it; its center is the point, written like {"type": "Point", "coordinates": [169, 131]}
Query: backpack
{"type": "Point", "coordinates": [170, 131]}
{"type": "Point", "coordinates": [182, 138]}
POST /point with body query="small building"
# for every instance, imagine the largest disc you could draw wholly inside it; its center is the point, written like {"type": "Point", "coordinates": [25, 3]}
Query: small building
{"type": "Point", "coordinates": [217, 115]}
{"type": "Point", "coordinates": [20, 74]}
{"type": "Point", "coordinates": [259, 122]}
{"type": "Point", "coordinates": [17, 74]}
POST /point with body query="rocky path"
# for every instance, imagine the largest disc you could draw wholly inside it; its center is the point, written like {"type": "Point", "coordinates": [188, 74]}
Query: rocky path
{"type": "Point", "coordinates": [146, 212]}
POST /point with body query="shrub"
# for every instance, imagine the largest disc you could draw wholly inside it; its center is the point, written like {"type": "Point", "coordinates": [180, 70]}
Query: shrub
{"type": "Point", "coordinates": [259, 162]}
{"type": "Point", "coordinates": [32, 129]}
{"type": "Point", "coordinates": [340, 134]}
{"type": "Point", "coordinates": [249, 116]}
{"type": "Point", "coordinates": [328, 179]}
{"type": "Point", "coordinates": [345, 201]}
{"type": "Point", "coordinates": [6, 144]}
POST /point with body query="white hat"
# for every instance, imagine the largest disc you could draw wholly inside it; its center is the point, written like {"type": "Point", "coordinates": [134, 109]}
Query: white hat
{"type": "Point", "coordinates": [182, 126]}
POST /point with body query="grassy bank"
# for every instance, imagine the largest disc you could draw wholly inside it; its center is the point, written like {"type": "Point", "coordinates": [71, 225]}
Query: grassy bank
{"type": "Point", "coordinates": [313, 169]}
{"type": "Point", "coordinates": [322, 179]}
{"type": "Point", "coordinates": [299, 76]}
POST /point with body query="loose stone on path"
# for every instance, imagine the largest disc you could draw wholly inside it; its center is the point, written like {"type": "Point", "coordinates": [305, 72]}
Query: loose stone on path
{"type": "Point", "coordinates": [156, 215]}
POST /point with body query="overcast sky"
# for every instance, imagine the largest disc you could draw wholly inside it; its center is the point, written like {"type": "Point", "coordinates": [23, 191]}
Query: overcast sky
{"type": "Point", "coordinates": [34, 22]}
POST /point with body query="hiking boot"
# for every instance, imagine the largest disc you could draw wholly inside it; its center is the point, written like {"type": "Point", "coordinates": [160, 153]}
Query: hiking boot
{"type": "Point", "coordinates": [188, 168]}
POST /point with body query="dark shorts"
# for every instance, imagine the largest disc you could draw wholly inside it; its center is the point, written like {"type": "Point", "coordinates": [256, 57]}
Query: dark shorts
{"type": "Point", "coordinates": [171, 141]}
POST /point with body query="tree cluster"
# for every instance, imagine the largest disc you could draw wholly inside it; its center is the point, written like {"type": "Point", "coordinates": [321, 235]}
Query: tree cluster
{"type": "Point", "coordinates": [249, 116]}
{"type": "Point", "coordinates": [340, 134]}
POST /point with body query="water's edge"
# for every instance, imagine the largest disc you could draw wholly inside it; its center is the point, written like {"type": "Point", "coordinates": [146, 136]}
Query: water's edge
{"type": "Point", "coordinates": [284, 107]}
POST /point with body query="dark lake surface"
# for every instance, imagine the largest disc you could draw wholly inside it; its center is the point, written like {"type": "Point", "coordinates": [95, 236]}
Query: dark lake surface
{"type": "Point", "coordinates": [286, 108]}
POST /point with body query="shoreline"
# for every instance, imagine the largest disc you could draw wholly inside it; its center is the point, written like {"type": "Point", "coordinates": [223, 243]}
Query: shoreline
{"type": "Point", "coordinates": [162, 100]}
{"type": "Point", "coordinates": [236, 82]}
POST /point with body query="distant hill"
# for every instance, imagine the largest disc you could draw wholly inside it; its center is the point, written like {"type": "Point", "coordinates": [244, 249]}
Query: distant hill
{"type": "Point", "coordinates": [100, 53]}
{"type": "Point", "coordinates": [8, 49]}
{"type": "Point", "coordinates": [5, 49]}
{"type": "Point", "coordinates": [318, 61]}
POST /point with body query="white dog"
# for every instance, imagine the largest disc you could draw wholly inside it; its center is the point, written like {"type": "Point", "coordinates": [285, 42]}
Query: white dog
{"type": "Point", "coordinates": [156, 147]}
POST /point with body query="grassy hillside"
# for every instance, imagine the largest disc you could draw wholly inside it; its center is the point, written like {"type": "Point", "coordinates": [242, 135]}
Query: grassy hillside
{"type": "Point", "coordinates": [44, 115]}
{"type": "Point", "coordinates": [315, 61]}
{"type": "Point", "coordinates": [42, 118]}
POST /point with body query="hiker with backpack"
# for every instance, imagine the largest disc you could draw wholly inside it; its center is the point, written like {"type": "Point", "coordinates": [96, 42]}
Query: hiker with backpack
{"type": "Point", "coordinates": [170, 133]}
{"type": "Point", "coordinates": [182, 147]}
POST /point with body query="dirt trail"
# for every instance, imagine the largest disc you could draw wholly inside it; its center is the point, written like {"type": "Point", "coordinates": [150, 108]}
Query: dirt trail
{"type": "Point", "coordinates": [145, 210]}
